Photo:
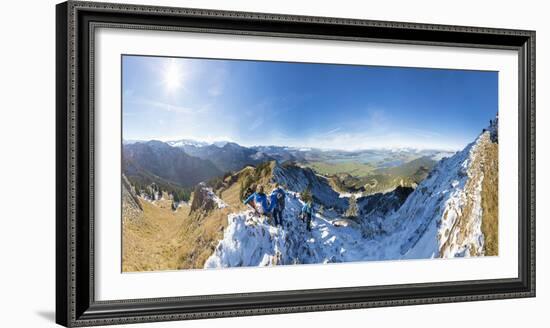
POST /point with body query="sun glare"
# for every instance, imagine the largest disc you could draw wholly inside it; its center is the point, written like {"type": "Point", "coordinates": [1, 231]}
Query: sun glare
{"type": "Point", "coordinates": [172, 76]}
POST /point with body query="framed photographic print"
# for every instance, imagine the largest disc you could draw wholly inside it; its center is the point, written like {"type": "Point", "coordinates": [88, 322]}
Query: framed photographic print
{"type": "Point", "coordinates": [214, 163]}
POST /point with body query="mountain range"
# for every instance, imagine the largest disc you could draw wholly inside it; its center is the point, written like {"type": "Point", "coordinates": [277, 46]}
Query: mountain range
{"type": "Point", "coordinates": [186, 162]}
{"type": "Point", "coordinates": [154, 160]}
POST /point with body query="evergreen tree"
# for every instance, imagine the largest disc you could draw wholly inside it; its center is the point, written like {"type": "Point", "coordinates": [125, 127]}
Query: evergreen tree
{"type": "Point", "coordinates": [175, 197]}
{"type": "Point", "coordinates": [184, 195]}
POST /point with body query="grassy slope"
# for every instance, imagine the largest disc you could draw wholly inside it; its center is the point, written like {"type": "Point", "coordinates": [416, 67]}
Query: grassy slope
{"type": "Point", "coordinates": [200, 236]}
{"type": "Point", "coordinates": [372, 184]}
{"type": "Point", "coordinates": [409, 169]}
{"type": "Point", "coordinates": [149, 244]}
{"type": "Point", "coordinates": [489, 200]}
{"type": "Point", "coordinates": [165, 240]}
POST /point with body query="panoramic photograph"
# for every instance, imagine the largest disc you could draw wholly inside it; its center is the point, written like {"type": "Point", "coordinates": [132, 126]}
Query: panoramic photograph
{"type": "Point", "coordinates": [241, 163]}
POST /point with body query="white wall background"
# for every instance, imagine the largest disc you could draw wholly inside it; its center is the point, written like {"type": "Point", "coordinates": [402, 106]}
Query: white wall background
{"type": "Point", "coordinates": [27, 148]}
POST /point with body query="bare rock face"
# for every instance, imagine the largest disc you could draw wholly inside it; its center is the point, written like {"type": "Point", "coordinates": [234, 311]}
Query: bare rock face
{"type": "Point", "coordinates": [493, 129]}
{"type": "Point", "coordinates": [202, 199]}
{"type": "Point", "coordinates": [131, 207]}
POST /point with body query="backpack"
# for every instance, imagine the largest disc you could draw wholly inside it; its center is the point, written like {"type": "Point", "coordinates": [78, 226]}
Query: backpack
{"type": "Point", "coordinates": [259, 208]}
{"type": "Point", "coordinates": [281, 200]}
{"type": "Point", "coordinates": [258, 203]}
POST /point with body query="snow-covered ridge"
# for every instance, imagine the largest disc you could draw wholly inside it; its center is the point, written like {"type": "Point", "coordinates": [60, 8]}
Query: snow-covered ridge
{"type": "Point", "coordinates": [440, 218]}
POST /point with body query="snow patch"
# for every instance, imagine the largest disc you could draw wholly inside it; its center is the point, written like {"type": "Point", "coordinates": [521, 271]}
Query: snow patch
{"type": "Point", "coordinates": [349, 195]}
{"type": "Point", "coordinates": [219, 202]}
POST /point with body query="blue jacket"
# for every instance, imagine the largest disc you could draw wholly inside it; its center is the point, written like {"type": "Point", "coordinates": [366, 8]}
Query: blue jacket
{"type": "Point", "coordinates": [258, 199]}
{"type": "Point", "coordinates": [274, 202]}
{"type": "Point", "coordinates": [306, 209]}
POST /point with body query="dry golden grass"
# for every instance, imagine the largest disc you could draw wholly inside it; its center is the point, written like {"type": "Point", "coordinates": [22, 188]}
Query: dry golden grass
{"type": "Point", "coordinates": [167, 240]}
{"type": "Point", "coordinates": [231, 196]}
{"type": "Point", "coordinates": [199, 237]}
{"type": "Point", "coordinates": [149, 244]}
{"type": "Point", "coordinates": [489, 200]}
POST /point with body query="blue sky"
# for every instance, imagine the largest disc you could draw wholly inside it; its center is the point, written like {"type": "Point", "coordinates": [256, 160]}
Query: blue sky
{"type": "Point", "coordinates": [304, 105]}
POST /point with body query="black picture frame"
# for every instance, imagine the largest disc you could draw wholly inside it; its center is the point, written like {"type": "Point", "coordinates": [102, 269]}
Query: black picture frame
{"type": "Point", "coordinates": [75, 26]}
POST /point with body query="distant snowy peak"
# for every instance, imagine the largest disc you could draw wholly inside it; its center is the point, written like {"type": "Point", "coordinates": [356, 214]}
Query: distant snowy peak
{"type": "Point", "coordinates": [195, 143]}
{"type": "Point", "coordinates": [187, 142]}
{"type": "Point", "coordinates": [220, 144]}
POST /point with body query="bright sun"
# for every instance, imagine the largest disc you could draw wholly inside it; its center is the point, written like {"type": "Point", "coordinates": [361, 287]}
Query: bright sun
{"type": "Point", "coordinates": [172, 76]}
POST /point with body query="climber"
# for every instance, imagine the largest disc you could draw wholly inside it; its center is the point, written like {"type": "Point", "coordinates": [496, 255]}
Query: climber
{"type": "Point", "coordinates": [307, 213]}
{"type": "Point", "coordinates": [258, 201]}
{"type": "Point", "coordinates": [277, 204]}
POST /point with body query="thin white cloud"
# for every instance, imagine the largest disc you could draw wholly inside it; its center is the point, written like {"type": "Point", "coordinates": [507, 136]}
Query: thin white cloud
{"type": "Point", "coordinates": [361, 141]}
{"type": "Point", "coordinates": [208, 138]}
{"type": "Point", "coordinates": [256, 123]}
{"type": "Point", "coordinates": [169, 107]}
{"type": "Point", "coordinates": [218, 82]}
{"type": "Point", "coordinates": [333, 131]}
{"type": "Point", "coordinates": [215, 90]}
{"type": "Point", "coordinates": [165, 106]}
{"type": "Point", "coordinates": [424, 133]}
{"type": "Point", "coordinates": [357, 141]}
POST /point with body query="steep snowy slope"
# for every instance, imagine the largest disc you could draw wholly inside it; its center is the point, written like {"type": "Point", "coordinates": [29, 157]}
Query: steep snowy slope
{"type": "Point", "coordinates": [443, 217]}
